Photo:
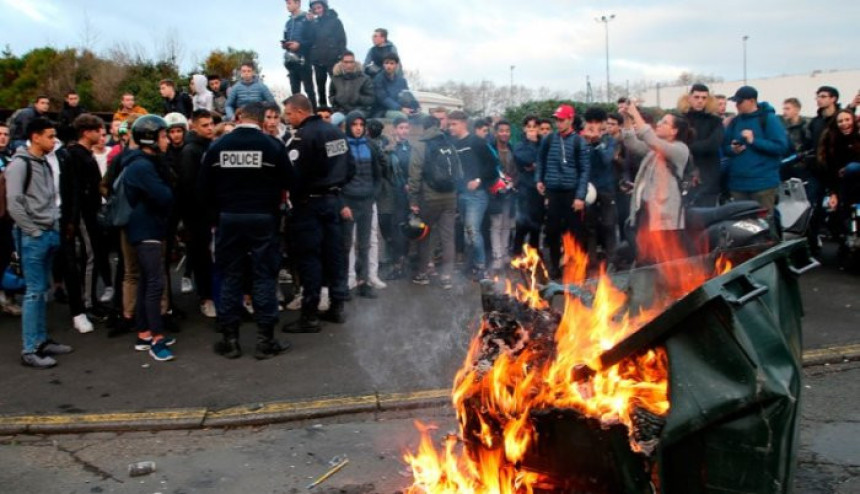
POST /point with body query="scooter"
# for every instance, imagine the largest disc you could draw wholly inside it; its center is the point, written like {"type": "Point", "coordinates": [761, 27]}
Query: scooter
{"type": "Point", "coordinates": [733, 225]}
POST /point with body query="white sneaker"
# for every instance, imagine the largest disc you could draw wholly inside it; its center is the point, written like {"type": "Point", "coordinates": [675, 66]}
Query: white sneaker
{"type": "Point", "coordinates": [107, 296]}
{"type": "Point", "coordinates": [284, 277]}
{"type": "Point", "coordinates": [351, 283]}
{"type": "Point", "coordinates": [187, 285]}
{"type": "Point", "coordinates": [249, 306]}
{"type": "Point", "coordinates": [377, 283]}
{"type": "Point", "coordinates": [82, 324]}
{"type": "Point", "coordinates": [207, 308]}
{"type": "Point", "coordinates": [295, 303]}
{"type": "Point", "coordinates": [325, 302]}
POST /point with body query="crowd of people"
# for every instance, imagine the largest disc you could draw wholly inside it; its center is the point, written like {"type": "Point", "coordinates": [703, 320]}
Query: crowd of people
{"type": "Point", "coordinates": [249, 196]}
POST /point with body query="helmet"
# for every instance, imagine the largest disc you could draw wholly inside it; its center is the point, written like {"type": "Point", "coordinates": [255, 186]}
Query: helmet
{"type": "Point", "coordinates": [414, 228]}
{"type": "Point", "coordinates": [591, 194]}
{"type": "Point", "coordinates": [176, 120]}
{"type": "Point", "coordinates": [407, 100]}
{"type": "Point", "coordinates": [375, 127]}
{"type": "Point", "coordinates": [145, 130]}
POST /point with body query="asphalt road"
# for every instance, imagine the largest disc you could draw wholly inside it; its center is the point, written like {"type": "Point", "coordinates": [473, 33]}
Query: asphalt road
{"type": "Point", "coordinates": [412, 338]}
{"type": "Point", "coordinates": [286, 458]}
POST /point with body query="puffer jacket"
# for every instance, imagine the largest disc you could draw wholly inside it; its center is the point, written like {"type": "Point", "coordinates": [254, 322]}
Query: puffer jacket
{"type": "Point", "coordinates": [564, 163]}
{"type": "Point", "coordinates": [329, 39]}
{"type": "Point", "coordinates": [350, 89]}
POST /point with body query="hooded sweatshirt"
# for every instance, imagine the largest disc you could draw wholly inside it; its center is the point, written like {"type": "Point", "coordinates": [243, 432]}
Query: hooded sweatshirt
{"type": "Point", "coordinates": [149, 195]}
{"type": "Point", "coordinates": [244, 93]}
{"type": "Point", "coordinates": [757, 167]}
{"type": "Point", "coordinates": [34, 210]}
{"type": "Point", "coordinates": [202, 95]}
{"type": "Point", "coordinates": [367, 179]}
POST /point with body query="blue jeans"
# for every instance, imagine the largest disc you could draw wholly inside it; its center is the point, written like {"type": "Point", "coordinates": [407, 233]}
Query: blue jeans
{"type": "Point", "coordinates": [474, 209]}
{"type": "Point", "coordinates": [239, 236]}
{"type": "Point", "coordinates": [37, 256]}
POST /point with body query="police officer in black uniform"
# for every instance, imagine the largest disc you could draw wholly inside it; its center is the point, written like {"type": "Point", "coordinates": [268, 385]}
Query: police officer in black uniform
{"type": "Point", "coordinates": [243, 176]}
{"type": "Point", "coordinates": [323, 164]}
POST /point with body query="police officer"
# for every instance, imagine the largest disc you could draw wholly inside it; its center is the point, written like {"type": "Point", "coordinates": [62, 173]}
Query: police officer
{"type": "Point", "coordinates": [323, 164]}
{"type": "Point", "coordinates": [243, 176]}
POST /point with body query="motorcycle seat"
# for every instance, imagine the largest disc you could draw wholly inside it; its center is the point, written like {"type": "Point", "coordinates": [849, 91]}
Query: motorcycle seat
{"type": "Point", "coordinates": [701, 218]}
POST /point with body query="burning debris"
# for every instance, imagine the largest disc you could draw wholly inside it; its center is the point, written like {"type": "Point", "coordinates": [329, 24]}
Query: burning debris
{"type": "Point", "coordinates": [557, 400]}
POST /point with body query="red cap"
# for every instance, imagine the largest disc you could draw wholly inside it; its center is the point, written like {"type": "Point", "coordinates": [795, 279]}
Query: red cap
{"type": "Point", "coordinates": [564, 112]}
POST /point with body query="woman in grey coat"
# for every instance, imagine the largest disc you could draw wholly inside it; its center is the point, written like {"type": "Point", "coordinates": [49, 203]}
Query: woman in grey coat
{"type": "Point", "coordinates": [657, 206]}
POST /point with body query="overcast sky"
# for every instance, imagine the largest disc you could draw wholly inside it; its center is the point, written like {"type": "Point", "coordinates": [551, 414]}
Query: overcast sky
{"type": "Point", "coordinates": [552, 43]}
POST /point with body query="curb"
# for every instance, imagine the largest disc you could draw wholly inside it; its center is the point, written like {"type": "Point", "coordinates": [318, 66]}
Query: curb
{"type": "Point", "coordinates": [280, 412]}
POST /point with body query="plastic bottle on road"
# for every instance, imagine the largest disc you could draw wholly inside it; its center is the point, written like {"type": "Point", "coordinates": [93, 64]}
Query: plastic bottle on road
{"type": "Point", "coordinates": [141, 468]}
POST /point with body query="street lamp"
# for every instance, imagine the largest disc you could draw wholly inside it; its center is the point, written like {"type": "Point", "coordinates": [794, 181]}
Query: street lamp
{"type": "Point", "coordinates": [606, 19]}
{"type": "Point", "coordinates": [745, 38]}
{"type": "Point", "coordinates": [511, 93]}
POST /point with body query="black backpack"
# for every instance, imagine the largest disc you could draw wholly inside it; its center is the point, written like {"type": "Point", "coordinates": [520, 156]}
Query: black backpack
{"type": "Point", "coordinates": [442, 168]}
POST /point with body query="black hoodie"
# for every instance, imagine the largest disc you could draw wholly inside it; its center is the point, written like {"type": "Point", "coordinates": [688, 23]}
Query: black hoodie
{"type": "Point", "coordinates": [329, 39]}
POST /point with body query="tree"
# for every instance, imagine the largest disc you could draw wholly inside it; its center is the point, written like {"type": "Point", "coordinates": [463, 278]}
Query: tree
{"type": "Point", "coordinates": [227, 63]}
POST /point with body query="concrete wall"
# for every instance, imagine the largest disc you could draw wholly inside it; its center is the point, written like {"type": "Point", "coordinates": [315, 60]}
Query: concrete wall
{"type": "Point", "coordinates": [774, 90]}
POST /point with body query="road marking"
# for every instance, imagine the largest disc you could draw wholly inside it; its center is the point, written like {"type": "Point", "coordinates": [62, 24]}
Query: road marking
{"type": "Point", "coordinates": [195, 418]}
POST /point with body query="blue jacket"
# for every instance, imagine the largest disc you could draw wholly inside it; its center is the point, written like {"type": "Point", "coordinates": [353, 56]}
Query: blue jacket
{"type": "Point", "coordinates": [243, 93]}
{"type": "Point", "coordinates": [602, 167]}
{"type": "Point", "coordinates": [367, 179]}
{"type": "Point", "coordinates": [387, 90]}
{"type": "Point", "coordinates": [757, 167]}
{"type": "Point", "coordinates": [564, 167]}
{"type": "Point", "coordinates": [525, 156]}
{"type": "Point", "coordinates": [150, 196]}
{"type": "Point", "coordinates": [298, 29]}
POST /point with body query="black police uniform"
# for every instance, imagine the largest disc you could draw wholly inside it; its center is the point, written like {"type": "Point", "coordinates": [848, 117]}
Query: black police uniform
{"type": "Point", "coordinates": [243, 177]}
{"type": "Point", "coordinates": [323, 164]}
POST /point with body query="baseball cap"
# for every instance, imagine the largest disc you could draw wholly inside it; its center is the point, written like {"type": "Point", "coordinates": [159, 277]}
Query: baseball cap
{"type": "Point", "coordinates": [564, 112]}
{"type": "Point", "coordinates": [744, 93]}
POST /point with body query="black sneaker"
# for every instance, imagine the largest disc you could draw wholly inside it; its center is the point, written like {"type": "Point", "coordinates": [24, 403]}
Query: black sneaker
{"type": "Point", "coordinates": [37, 361]}
{"type": "Point", "coordinates": [271, 348]}
{"type": "Point", "coordinates": [364, 290]}
{"type": "Point", "coordinates": [334, 313]}
{"type": "Point", "coordinates": [228, 348]}
{"type": "Point", "coordinates": [51, 347]}
{"type": "Point", "coordinates": [305, 324]}
{"type": "Point", "coordinates": [421, 279]}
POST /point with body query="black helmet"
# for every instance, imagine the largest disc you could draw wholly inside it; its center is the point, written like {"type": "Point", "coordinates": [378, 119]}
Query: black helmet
{"type": "Point", "coordinates": [145, 130]}
{"type": "Point", "coordinates": [414, 228]}
{"type": "Point", "coordinates": [375, 127]}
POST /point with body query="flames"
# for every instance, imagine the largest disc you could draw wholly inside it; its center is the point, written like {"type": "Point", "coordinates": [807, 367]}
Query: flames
{"type": "Point", "coordinates": [520, 381]}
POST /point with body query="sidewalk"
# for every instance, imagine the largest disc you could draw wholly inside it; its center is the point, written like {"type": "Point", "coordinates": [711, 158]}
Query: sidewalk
{"type": "Point", "coordinates": [401, 350]}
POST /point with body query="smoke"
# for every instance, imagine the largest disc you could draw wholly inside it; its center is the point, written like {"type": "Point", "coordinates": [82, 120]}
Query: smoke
{"type": "Point", "coordinates": [414, 337]}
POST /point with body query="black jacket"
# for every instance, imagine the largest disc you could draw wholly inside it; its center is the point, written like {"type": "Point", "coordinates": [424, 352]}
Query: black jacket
{"type": "Point", "coordinates": [181, 103]}
{"type": "Point", "coordinates": [351, 90]}
{"type": "Point", "coordinates": [320, 157]}
{"type": "Point", "coordinates": [705, 146]}
{"type": "Point", "coordinates": [190, 160]}
{"type": "Point", "coordinates": [245, 171]}
{"type": "Point", "coordinates": [65, 131]}
{"type": "Point", "coordinates": [79, 183]}
{"type": "Point", "coordinates": [329, 39]}
{"type": "Point", "coordinates": [477, 160]}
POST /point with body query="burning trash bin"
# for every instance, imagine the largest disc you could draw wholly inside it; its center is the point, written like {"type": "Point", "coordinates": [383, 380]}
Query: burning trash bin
{"type": "Point", "coordinates": [684, 380]}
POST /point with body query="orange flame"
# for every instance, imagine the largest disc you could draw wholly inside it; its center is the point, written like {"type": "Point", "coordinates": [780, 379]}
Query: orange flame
{"type": "Point", "coordinates": [500, 395]}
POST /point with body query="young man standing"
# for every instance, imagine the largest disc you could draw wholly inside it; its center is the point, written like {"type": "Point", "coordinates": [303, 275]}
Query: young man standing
{"type": "Point", "coordinates": [39, 108]}
{"type": "Point", "coordinates": [376, 55]}
{"type": "Point", "coordinates": [250, 89]}
{"type": "Point", "coordinates": [704, 147]}
{"type": "Point", "coordinates": [71, 110]}
{"type": "Point", "coordinates": [297, 42]}
{"type": "Point", "coordinates": [563, 171]}
{"type": "Point", "coordinates": [755, 142]}
{"type": "Point", "coordinates": [128, 108]}
{"type": "Point", "coordinates": [33, 206]}
{"type": "Point", "coordinates": [479, 173]}
{"type": "Point", "coordinates": [329, 44]}
{"type": "Point", "coordinates": [175, 101]}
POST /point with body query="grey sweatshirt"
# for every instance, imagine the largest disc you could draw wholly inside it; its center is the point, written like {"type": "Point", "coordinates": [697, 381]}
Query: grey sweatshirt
{"type": "Point", "coordinates": [36, 210]}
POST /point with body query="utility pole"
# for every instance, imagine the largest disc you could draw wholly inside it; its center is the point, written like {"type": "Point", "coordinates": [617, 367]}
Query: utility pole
{"type": "Point", "coordinates": [606, 19]}
{"type": "Point", "coordinates": [745, 38]}
{"type": "Point", "coordinates": [511, 92]}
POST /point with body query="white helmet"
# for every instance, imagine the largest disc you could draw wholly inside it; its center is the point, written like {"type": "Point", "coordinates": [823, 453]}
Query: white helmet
{"type": "Point", "coordinates": [176, 120]}
{"type": "Point", "coordinates": [591, 195]}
